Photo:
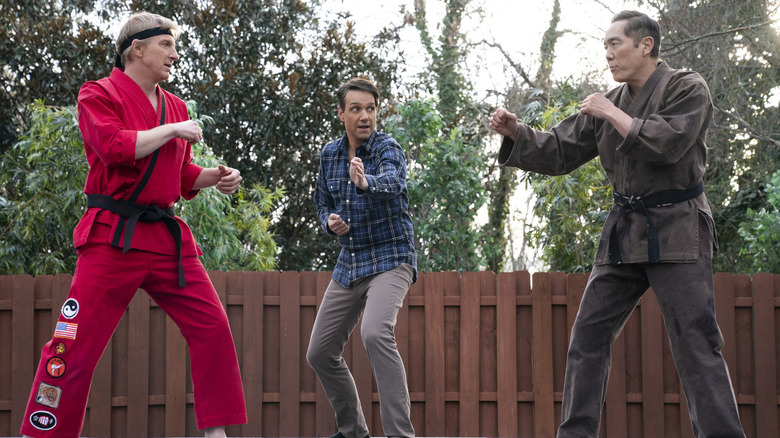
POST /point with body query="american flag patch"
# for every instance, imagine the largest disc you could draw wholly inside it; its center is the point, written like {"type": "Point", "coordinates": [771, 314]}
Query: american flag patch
{"type": "Point", "coordinates": [65, 330]}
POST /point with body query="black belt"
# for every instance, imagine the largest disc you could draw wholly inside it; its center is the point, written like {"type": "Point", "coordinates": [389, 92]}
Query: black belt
{"type": "Point", "coordinates": [641, 204]}
{"type": "Point", "coordinates": [132, 213]}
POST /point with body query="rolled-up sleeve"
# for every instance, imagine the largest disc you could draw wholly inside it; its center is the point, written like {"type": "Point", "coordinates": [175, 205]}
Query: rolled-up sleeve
{"type": "Point", "coordinates": [189, 173]}
{"type": "Point", "coordinates": [390, 179]}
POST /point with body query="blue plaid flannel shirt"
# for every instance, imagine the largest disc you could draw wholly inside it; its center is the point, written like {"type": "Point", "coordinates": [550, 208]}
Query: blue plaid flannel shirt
{"type": "Point", "coordinates": [380, 233]}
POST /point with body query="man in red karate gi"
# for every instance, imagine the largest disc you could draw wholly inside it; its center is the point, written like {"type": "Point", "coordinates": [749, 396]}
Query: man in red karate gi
{"type": "Point", "coordinates": [137, 138]}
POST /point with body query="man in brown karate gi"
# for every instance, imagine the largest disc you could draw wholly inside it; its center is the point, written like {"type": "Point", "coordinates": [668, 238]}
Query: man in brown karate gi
{"type": "Point", "coordinates": [650, 135]}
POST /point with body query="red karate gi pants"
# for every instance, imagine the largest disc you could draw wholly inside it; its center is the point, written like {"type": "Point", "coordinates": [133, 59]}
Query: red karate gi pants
{"type": "Point", "coordinates": [104, 283]}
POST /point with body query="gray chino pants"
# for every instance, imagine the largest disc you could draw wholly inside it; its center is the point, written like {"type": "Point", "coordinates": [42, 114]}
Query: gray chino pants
{"type": "Point", "coordinates": [684, 292]}
{"type": "Point", "coordinates": [378, 298]}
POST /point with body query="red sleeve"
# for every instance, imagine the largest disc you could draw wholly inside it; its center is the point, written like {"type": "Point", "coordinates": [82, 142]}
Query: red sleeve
{"type": "Point", "coordinates": [189, 173]}
{"type": "Point", "coordinates": [102, 128]}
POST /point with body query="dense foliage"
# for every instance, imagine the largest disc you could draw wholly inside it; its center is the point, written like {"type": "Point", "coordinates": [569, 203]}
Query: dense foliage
{"type": "Point", "coordinates": [761, 231]}
{"type": "Point", "coordinates": [43, 176]}
{"type": "Point", "coordinates": [572, 207]}
{"type": "Point", "coordinates": [737, 51]}
{"type": "Point", "coordinates": [445, 188]}
{"type": "Point", "coordinates": [451, 173]}
{"type": "Point", "coordinates": [266, 72]}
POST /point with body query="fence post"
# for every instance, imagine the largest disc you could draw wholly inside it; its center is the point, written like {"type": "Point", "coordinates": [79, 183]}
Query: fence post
{"type": "Point", "coordinates": [764, 307]}
{"type": "Point", "coordinates": [506, 354]}
{"type": "Point", "coordinates": [23, 341]}
{"type": "Point", "coordinates": [434, 353]}
{"type": "Point", "coordinates": [544, 417]}
{"type": "Point", "coordinates": [138, 370]}
{"type": "Point", "coordinates": [289, 355]}
{"type": "Point", "coordinates": [469, 359]}
{"type": "Point", "coordinates": [252, 371]}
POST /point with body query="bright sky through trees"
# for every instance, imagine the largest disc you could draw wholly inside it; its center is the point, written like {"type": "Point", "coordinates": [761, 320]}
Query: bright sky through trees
{"type": "Point", "coordinates": [515, 25]}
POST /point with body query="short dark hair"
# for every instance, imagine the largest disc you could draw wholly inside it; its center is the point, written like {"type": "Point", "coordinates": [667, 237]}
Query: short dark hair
{"type": "Point", "coordinates": [361, 84]}
{"type": "Point", "coordinates": [638, 26]}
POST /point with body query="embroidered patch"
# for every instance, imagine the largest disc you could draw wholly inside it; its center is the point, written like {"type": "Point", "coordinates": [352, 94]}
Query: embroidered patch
{"type": "Point", "coordinates": [59, 348]}
{"type": "Point", "coordinates": [56, 367]}
{"type": "Point", "coordinates": [48, 395]}
{"type": "Point", "coordinates": [65, 330]}
{"type": "Point", "coordinates": [43, 420]}
{"type": "Point", "coordinates": [70, 309]}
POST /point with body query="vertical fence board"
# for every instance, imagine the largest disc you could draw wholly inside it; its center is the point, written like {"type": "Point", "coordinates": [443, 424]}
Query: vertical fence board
{"type": "Point", "coordinates": [724, 313]}
{"type": "Point", "coordinates": [138, 366]}
{"type": "Point", "coordinates": [544, 413]}
{"type": "Point", "coordinates": [60, 288]}
{"type": "Point", "coordinates": [290, 387]}
{"type": "Point", "coordinates": [252, 368]}
{"type": "Point", "coordinates": [469, 360]}
{"type": "Point", "coordinates": [765, 352]}
{"type": "Point", "coordinates": [575, 288]}
{"type": "Point", "coordinates": [745, 384]}
{"type": "Point", "coordinates": [434, 354]}
{"type": "Point", "coordinates": [6, 352]}
{"type": "Point", "coordinates": [219, 280]}
{"type": "Point", "coordinates": [323, 412]}
{"type": "Point", "coordinates": [506, 352]}
{"type": "Point", "coordinates": [479, 328]}
{"type": "Point", "coordinates": [22, 339]}
{"type": "Point", "coordinates": [652, 366]}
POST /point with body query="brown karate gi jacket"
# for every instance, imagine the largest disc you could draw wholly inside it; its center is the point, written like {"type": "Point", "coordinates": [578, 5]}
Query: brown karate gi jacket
{"type": "Point", "coordinates": [665, 150]}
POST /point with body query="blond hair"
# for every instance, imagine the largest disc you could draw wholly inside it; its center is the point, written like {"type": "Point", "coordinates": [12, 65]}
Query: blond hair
{"type": "Point", "coordinates": [139, 22]}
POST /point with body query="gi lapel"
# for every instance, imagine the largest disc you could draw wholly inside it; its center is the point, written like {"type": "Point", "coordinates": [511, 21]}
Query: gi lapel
{"type": "Point", "coordinates": [142, 183]}
{"type": "Point", "coordinates": [639, 102]}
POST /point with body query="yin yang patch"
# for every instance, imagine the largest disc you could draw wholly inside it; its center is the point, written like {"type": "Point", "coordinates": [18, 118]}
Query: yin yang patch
{"type": "Point", "coordinates": [70, 309]}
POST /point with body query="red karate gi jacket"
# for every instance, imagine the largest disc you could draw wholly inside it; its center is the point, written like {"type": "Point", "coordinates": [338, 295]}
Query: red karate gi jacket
{"type": "Point", "coordinates": [111, 112]}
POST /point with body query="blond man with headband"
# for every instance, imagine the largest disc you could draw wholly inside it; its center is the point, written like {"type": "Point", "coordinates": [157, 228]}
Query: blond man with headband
{"type": "Point", "coordinates": [137, 139]}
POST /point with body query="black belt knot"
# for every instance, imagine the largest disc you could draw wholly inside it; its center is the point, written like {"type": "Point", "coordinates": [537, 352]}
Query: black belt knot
{"type": "Point", "coordinates": [640, 204]}
{"type": "Point", "coordinates": [130, 213]}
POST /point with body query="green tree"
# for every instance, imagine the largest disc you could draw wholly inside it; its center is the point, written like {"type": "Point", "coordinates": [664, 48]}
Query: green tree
{"type": "Point", "coordinates": [570, 209]}
{"type": "Point", "coordinates": [452, 154]}
{"type": "Point", "coordinates": [445, 186]}
{"type": "Point", "coordinates": [47, 50]}
{"type": "Point", "coordinates": [268, 73]}
{"type": "Point", "coordinates": [265, 70]}
{"type": "Point", "coordinates": [503, 186]}
{"type": "Point", "coordinates": [232, 235]}
{"type": "Point", "coordinates": [761, 231]}
{"type": "Point", "coordinates": [41, 200]}
{"type": "Point", "coordinates": [736, 49]}
{"type": "Point", "coordinates": [41, 194]}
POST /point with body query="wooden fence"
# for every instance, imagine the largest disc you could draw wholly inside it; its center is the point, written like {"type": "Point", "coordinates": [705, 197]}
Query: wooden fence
{"type": "Point", "coordinates": [485, 356]}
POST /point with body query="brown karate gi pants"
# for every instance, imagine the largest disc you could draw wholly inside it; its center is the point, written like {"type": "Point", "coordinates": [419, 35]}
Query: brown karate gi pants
{"type": "Point", "coordinates": [684, 292]}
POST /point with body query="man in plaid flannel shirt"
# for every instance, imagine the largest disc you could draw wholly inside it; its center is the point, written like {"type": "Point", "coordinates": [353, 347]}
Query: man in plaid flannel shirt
{"type": "Point", "coordinates": [361, 197]}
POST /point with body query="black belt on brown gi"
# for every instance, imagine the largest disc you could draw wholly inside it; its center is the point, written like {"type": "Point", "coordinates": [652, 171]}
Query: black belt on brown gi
{"type": "Point", "coordinates": [640, 204]}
